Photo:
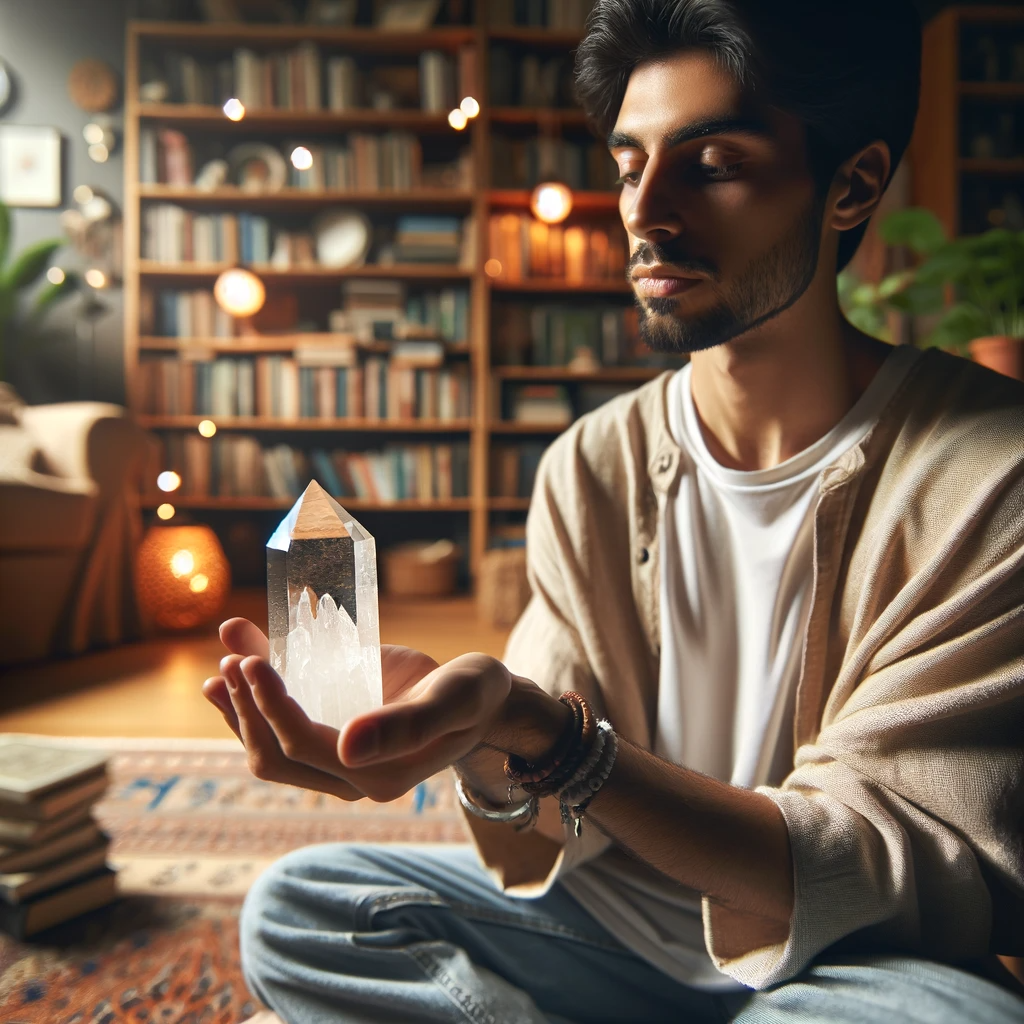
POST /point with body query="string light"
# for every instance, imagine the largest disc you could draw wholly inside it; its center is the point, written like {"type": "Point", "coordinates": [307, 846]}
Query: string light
{"type": "Point", "coordinates": [239, 292]}
{"type": "Point", "coordinates": [168, 480]}
{"type": "Point", "coordinates": [234, 109]}
{"type": "Point", "coordinates": [302, 158]}
{"type": "Point", "coordinates": [551, 202]}
{"type": "Point", "coordinates": [165, 511]}
{"type": "Point", "coordinates": [469, 107]}
{"type": "Point", "coordinates": [457, 119]}
{"type": "Point", "coordinates": [207, 428]}
{"type": "Point", "coordinates": [95, 278]}
{"type": "Point", "coordinates": [55, 275]}
{"type": "Point", "coordinates": [492, 268]}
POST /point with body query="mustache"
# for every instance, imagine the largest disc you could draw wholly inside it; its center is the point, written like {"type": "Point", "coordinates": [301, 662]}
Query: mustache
{"type": "Point", "coordinates": [672, 256]}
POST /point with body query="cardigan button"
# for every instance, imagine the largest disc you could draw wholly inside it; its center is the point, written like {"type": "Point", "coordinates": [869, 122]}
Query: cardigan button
{"type": "Point", "coordinates": [643, 556]}
{"type": "Point", "coordinates": [664, 463]}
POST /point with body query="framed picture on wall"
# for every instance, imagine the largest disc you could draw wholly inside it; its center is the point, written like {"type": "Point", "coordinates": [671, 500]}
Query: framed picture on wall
{"type": "Point", "coordinates": [30, 165]}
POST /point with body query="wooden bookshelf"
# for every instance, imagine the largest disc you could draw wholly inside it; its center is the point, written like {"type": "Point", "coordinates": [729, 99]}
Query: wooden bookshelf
{"type": "Point", "coordinates": [943, 169]}
{"type": "Point", "coordinates": [276, 126]}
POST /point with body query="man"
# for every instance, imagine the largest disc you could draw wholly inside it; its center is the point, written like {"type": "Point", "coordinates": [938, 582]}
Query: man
{"type": "Point", "coordinates": [791, 576]}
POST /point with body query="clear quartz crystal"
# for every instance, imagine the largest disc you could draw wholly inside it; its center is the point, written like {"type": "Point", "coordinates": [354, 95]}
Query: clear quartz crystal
{"type": "Point", "coordinates": [322, 604]}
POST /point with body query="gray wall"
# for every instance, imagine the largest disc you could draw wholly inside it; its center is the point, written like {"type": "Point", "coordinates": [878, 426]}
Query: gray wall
{"type": "Point", "coordinates": [40, 40]}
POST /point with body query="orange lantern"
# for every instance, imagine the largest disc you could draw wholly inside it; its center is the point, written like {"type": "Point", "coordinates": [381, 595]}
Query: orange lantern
{"type": "Point", "coordinates": [182, 576]}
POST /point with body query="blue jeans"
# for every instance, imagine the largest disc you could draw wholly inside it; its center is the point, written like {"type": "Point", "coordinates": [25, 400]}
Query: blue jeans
{"type": "Point", "coordinates": [366, 933]}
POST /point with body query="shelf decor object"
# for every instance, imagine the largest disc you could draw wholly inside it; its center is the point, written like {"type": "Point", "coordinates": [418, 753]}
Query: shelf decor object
{"type": "Point", "coordinates": [322, 610]}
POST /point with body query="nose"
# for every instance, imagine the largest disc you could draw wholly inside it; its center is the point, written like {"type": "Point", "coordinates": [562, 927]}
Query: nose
{"type": "Point", "coordinates": [653, 213]}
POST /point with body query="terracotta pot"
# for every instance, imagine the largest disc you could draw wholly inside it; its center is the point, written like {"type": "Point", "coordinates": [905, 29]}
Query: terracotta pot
{"type": "Point", "coordinates": [1000, 353]}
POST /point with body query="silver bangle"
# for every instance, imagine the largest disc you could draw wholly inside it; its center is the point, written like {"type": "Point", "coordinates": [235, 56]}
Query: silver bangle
{"type": "Point", "coordinates": [525, 810]}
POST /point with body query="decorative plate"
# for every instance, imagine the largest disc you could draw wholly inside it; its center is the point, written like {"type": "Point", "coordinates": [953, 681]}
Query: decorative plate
{"type": "Point", "coordinates": [342, 238]}
{"type": "Point", "coordinates": [257, 167]}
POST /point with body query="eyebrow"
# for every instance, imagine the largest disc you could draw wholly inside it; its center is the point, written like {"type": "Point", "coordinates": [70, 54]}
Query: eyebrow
{"type": "Point", "coordinates": [696, 130]}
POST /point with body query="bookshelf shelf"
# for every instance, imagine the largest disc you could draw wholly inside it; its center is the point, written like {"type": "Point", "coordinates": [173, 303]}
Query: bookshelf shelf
{"type": "Point", "coordinates": [296, 198]}
{"type": "Point", "coordinates": [541, 284]}
{"type": "Point", "coordinates": [511, 427]}
{"type": "Point", "coordinates": [260, 504]}
{"type": "Point", "coordinates": [294, 122]}
{"type": "Point", "coordinates": [508, 504]}
{"type": "Point", "coordinates": [409, 271]}
{"type": "Point", "coordinates": [268, 343]}
{"type": "Point", "coordinates": [370, 40]}
{"type": "Point", "coordinates": [607, 374]}
{"type": "Point", "coordinates": [993, 90]}
{"type": "Point", "coordinates": [555, 39]}
{"type": "Point", "coordinates": [339, 426]}
{"type": "Point", "coordinates": [582, 200]}
{"type": "Point", "coordinates": [554, 117]}
{"type": "Point", "coordinates": [994, 167]}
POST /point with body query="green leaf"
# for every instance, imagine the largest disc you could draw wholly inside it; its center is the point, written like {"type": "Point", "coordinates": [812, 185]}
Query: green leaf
{"type": "Point", "coordinates": [31, 264]}
{"type": "Point", "coordinates": [5, 233]}
{"type": "Point", "coordinates": [917, 228]}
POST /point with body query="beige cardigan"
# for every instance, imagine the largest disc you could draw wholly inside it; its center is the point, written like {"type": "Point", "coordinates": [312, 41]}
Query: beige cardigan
{"type": "Point", "coordinates": [905, 806]}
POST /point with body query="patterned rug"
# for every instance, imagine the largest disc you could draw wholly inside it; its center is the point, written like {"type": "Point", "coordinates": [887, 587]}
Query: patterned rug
{"type": "Point", "coordinates": [191, 830]}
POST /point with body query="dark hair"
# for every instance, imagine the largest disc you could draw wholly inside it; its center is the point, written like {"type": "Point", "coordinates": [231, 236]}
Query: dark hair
{"type": "Point", "coordinates": [850, 72]}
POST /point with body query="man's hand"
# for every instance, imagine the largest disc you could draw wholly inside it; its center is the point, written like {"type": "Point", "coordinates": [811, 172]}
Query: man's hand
{"type": "Point", "coordinates": [432, 716]}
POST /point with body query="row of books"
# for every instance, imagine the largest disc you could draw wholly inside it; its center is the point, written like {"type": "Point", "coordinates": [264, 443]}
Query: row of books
{"type": "Point", "coordinates": [299, 79]}
{"type": "Point", "coordinates": [279, 387]}
{"type": "Point", "coordinates": [53, 855]}
{"type": "Point", "coordinates": [172, 234]}
{"type": "Point", "coordinates": [359, 161]}
{"type": "Point", "coordinates": [528, 248]}
{"type": "Point", "coordinates": [372, 310]}
{"type": "Point", "coordinates": [513, 469]}
{"type": "Point", "coordinates": [564, 15]}
{"type": "Point", "coordinates": [523, 163]}
{"type": "Point", "coordinates": [552, 334]}
{"type": "Point", "coordinates": [238, 466]}
{"type": "Point", "coordinates": [528, 80]}
{"type": "Point", "coordinates": [555, 405]}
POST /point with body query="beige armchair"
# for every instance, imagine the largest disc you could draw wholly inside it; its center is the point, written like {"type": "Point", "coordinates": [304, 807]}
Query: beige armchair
{"type": "Point", "coordinates": [69, 527]}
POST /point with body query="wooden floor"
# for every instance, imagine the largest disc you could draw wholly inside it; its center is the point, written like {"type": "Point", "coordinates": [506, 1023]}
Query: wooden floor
{"type": "Point", "coordinates": [152, 688]}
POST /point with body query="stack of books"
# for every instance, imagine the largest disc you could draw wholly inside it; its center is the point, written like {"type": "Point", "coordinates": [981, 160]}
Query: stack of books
{"type": "Point", "coordinates": [422, 239]}
{"type": "Point", "coordinates": [53, 856]}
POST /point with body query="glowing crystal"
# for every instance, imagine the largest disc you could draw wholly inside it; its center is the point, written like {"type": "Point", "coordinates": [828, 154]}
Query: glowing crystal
{"type": "Point", "coordinates": [322, 604]}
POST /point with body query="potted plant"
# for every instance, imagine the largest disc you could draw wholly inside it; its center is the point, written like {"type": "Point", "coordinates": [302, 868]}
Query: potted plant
{"type": "Point", "coordinates": [983, 275]}
{"type": "Point", "coordinates": [17, 275]}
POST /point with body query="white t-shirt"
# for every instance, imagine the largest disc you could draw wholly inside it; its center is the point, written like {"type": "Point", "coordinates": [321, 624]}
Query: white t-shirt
{"type": "Point", "coordinates": [736, 574]}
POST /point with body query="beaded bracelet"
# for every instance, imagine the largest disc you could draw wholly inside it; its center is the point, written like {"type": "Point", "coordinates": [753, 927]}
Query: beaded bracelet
{"type": "Point", "coordinates": [573, 802]}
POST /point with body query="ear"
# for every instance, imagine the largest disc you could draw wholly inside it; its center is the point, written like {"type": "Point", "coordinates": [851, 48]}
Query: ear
{"type": "Point", "coordinates": [858, 186]}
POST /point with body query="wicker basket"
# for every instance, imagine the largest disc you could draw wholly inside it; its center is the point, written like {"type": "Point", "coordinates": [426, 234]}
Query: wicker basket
{"type": "Point", "coordinates": [421, 569]}
{"type": "Point", "coordinates": [503, 589]}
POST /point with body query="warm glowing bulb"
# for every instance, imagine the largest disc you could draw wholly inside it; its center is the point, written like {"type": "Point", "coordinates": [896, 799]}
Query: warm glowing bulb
{"type": "Point", "coordinates": [301, 158]}
{"type": "Point", "coordinates": [55, 275]}
{"type": "Point", "coordinates": [207, 428]}
{"type": "Point", "coordinates": [83, 194]}
{"type": "Point", "coordinates": [551, 202]}
{"type": "Point", "coordinates": [234, 109]}
{"type": "Point", "coordinates": [93, 133]}
{"type": "Point", "coordinates": [182, 562]}
{"type": "Point", "coordinates": [239, 292]}
{"type": "Point", "coordinates": [457, 119]}
{"type": "Point", "coordinates": [98, 153]}
{"type": "Point", "coordinates": [469, 106]}
{"type": "Point", "coordinates": [165, 511]}
{"type": "Point", "coordinates": [198, 583]}
{"type": "Point", "coordinates": [168, 480]}
{"type": "Point", "coordinates": [492, 268]}
{"type": "Point", "coordinates": [95, 278]}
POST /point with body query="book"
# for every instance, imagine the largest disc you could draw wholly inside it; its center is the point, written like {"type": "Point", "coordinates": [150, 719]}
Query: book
{"type": "Point", "coordinates": [56, 801]}
{"type": "Point", "coordinates": [14, 858]}
{"type": "Point", "coordinates": [21, 832]}
{"type": "Point", "coordinates": [31, 767]}
{"type": "Point", "coordinates": [24, 919]}
{"type": "Point", "coordinates": [19, 886]}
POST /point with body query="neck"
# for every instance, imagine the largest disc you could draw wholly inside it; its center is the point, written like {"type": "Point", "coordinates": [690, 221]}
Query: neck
{"type": "Point", "coordinates": [770, 394]}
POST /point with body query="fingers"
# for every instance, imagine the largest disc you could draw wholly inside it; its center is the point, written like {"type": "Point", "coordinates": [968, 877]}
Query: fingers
{"type": "Point", "coordinates": [402, 668]}
{"type": "Point", "coordinates": [240, 636]}
{"type": "Point", "coordinates": [266, 759]}
{"type": "Point", "coordinates": [216, 692]}
{"type": "Point", "coordinates": [462, 695]}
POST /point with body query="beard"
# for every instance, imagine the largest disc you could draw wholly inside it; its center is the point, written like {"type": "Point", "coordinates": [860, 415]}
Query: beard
{"type": "Point", "coordinates": [769, 285]}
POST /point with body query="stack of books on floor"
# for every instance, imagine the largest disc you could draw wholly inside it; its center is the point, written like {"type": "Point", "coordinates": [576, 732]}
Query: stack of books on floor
{"type": "Point", "coordinates": [53, 855]}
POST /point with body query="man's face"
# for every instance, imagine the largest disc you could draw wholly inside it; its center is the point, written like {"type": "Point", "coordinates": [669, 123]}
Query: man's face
{"type": "Point", "coordinates": [722, 212]}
